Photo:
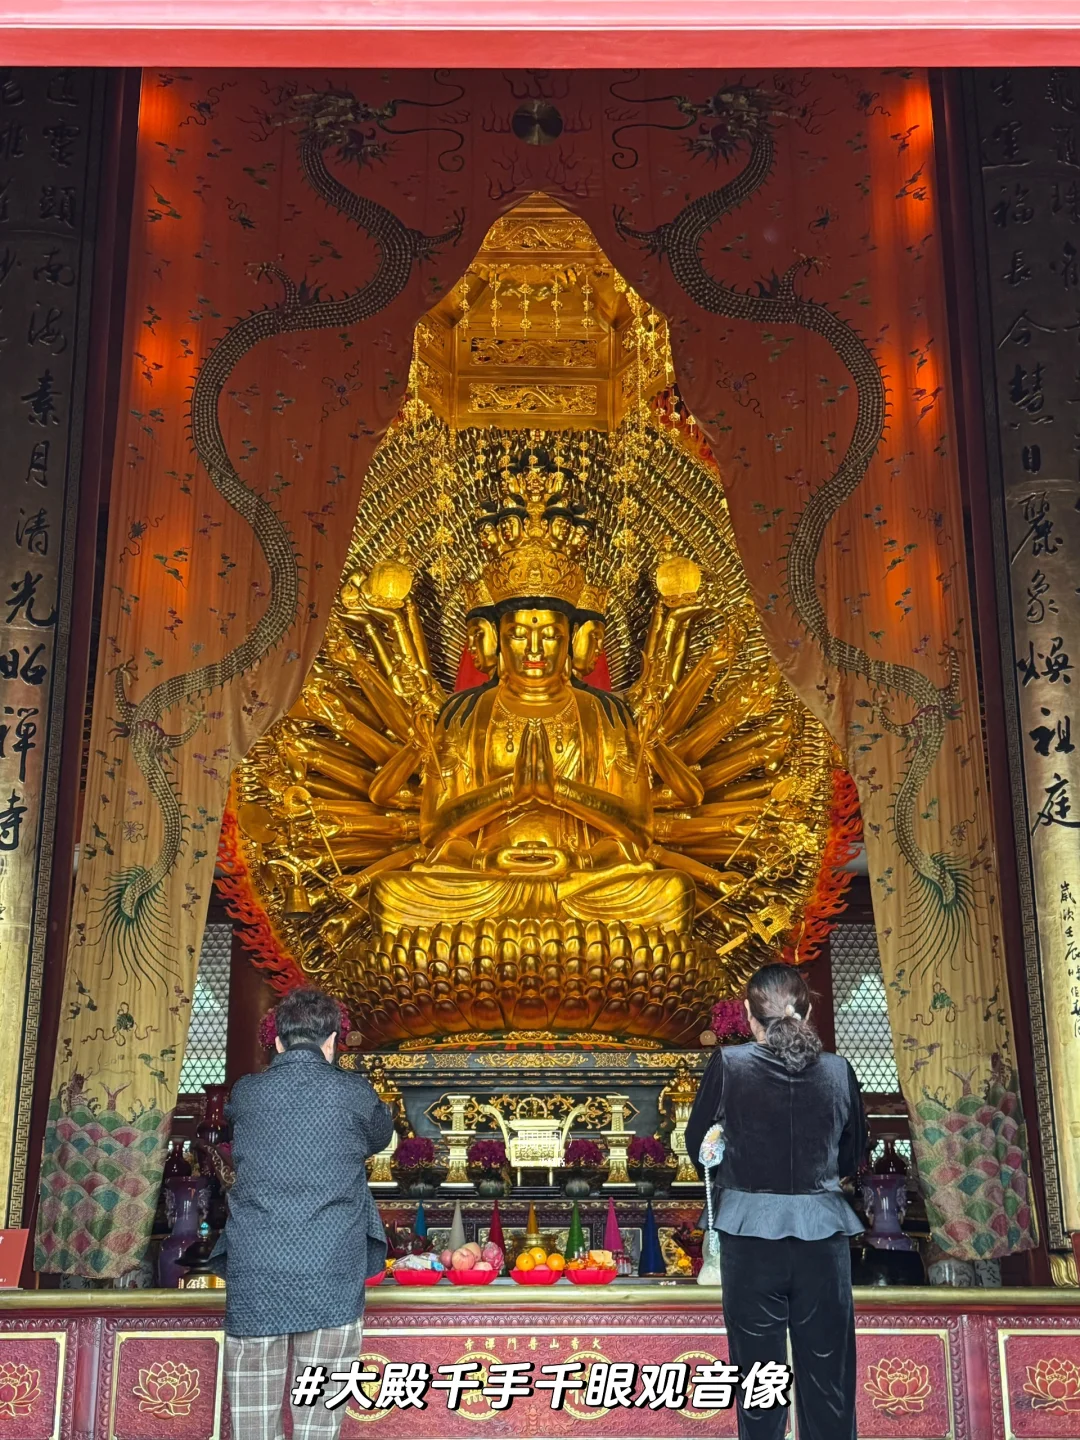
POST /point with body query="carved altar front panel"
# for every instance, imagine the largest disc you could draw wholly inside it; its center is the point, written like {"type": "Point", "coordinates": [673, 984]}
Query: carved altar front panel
{"type": "Point", "coordinates": [1037, 1381]}
{"type": "Point", "coordinates": [36, 1383]}
{"type": "Point", "coordinates": [930, 1365]}
{"type": "Point", "coordinates": [905, 1384]}
{"type": "Point", "coordinates": [162, 1381]}
{"type": "Point", "coordinates": [545, 1341]}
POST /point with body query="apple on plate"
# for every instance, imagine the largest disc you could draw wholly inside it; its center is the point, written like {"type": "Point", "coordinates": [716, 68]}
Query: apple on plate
{"type": "Point", "coordinates": [466, 1257]}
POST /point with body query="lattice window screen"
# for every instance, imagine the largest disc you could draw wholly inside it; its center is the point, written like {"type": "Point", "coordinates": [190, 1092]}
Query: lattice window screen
{"type": "Point", "coordinates": [860, 1010]}
{"type": "Point", "coordinates": [204, 1059]}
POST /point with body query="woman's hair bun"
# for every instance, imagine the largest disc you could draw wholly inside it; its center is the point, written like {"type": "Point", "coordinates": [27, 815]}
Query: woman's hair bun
{"type": "Point", "coordinates": [779, 998]}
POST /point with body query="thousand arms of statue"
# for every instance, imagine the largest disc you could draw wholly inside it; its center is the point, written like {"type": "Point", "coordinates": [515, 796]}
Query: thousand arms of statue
{"type": "Point", "coordinates": [534, 805]}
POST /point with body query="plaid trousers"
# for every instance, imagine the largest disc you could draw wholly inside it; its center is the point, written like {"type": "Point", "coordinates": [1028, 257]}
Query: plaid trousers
{"type": "Point", "coordinates": [258, 1373]}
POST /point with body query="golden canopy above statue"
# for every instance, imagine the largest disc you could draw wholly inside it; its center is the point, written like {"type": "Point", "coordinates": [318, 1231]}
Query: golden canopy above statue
{"type": "Point", "coordinates": [536, 846]}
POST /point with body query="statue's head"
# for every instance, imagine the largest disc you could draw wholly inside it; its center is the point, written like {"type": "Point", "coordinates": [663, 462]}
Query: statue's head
{"type": "Point", "coordinates": [532, 611]}
{"type": "Point", "coordinates": [590, 628]}
{"type": "Point", "coordinates": [534, 646]}
{"type": "Point", "coordinates": [587, 644]}
{"type": "Point", "coordinates": [509, 528]}
{"type": "Point", "coordinates": [482, 643]}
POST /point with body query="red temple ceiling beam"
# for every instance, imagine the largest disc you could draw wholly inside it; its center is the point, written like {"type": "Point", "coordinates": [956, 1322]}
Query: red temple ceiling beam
{"type": "Point", "coordinates": [566, 34]}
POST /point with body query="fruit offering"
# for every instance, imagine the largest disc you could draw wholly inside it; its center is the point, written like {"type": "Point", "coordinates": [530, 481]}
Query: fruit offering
{"type": "Point", "coordinates": [538, 1267]}
{"type": "Point", "coordinates": [472, 1264]}
{"type": "Point", "coordinates": [493, 1255]}
{"type": "Point", "coordinates": [466, 1257]}
{"type": "Point", "coordinates": [598, 1267]}
{"type": "Point", "coordinates": [418, 1270]}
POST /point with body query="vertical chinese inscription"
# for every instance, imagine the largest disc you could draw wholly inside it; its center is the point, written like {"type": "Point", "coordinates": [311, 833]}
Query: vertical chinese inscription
{"type": "Point", "coordinates": [50, 134]}
{"type": "Point", "coordinates": [1026, 125]}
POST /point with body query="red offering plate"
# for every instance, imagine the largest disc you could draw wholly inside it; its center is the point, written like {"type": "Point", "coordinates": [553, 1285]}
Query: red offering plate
{"type": "Point", "coordinates": [530, 1277]}
{"type": "Point", "coordinates": [593, 1276]}
{"type": "Point", "coordinates": [471, 1277]}
{"type": "Point", "coordinates": [376, 1279]}
{"type": "Point", "coordinates": [418, 1277]}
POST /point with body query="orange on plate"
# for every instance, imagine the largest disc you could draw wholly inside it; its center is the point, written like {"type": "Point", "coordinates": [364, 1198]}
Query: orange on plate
{"type": "Point", "coordinates": [538, 1253]}
{"type": "Point", "coordinates": [556, 1262]}
{"type": "Point", "coordinates": [525, 1262]}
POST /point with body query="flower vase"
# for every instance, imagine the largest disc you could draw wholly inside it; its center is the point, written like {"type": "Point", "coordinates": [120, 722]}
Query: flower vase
{"type": "Point", "coordinates": [490, 1186]}
{"type": "Point", "coordinates": [651, 1179]}
{"type": "Point", "coordinates": [421, 1183]}
{"type": "Point", "coordinates": [960, 1274]}
{"type": "Point", "coordinates": [577, 1185]}
{"type": "Point", "coordinates": [186, 1200]}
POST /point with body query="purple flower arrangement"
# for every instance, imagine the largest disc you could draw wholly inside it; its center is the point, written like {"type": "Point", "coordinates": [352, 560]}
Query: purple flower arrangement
{"type": "Point", "coordinates": [646, 1150]}
{"type": "Point", "coordinates": [728, 1020]}
{"type": "Point", "coordinates": [268, 1027]}
{"type": "Point", "coordinates": [489, 1155]}
{"type": "Point", "coordinates": [416, 1153]}
{"type": "Point", "coordinates": [583, 1155]}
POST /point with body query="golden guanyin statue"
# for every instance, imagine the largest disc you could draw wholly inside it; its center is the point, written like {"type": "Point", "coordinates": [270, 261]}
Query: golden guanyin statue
{"type": "Point", "coordinates": [544, 777]}
{"type": "Point", "coordinates": [536, 801]}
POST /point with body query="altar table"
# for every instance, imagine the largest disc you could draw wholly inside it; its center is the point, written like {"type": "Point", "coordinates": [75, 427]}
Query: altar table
{"type": "Point", "coordinates": [933, 1364]}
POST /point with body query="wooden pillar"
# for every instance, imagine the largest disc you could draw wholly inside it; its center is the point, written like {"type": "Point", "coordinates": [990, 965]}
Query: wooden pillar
{"type": "Point", "coordinates": [818, 975]}
{"type": "Point", "coordinates": [971, 388]}
{"type": "Point", "coordinates": [250, 997]}
{"type": "Point", "coordinates": [99, 410]}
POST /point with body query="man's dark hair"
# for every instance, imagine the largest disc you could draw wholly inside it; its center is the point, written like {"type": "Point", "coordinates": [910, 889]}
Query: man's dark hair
{"type": "Point", "coordinates": [306, 1015]}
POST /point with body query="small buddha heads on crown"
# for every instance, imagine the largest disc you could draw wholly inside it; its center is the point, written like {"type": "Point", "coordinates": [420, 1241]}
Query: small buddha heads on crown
{"type": "Point", "coordinates": [533, 539]}
{"type": "Point", "coordinates": [475, 595]}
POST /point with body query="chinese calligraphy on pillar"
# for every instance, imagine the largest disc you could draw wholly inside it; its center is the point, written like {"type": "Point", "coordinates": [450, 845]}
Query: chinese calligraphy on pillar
{"type": "Point", "coordinates": [50, 135]}
{"type": "Point", "coordinates": [1027, 134]}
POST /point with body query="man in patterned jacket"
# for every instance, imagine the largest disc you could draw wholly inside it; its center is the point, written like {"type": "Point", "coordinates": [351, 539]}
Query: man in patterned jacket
{"type": "Point", "coordinates": [303, 1232]}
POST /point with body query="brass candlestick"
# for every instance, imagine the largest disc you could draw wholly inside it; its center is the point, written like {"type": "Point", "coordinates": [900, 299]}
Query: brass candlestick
{"type": "Point", "coordinates": [618, 1139]}
{"type": "Point", "coordinates": [677, 1100]}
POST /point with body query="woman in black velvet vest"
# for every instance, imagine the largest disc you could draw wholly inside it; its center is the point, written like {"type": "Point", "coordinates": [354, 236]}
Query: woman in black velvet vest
{"type": "Point", "coordinates": [793, 1125]}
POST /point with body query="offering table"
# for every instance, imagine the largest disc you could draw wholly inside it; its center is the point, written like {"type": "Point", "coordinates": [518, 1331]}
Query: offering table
{"type": "Point", "coordinates": [933, 1364]}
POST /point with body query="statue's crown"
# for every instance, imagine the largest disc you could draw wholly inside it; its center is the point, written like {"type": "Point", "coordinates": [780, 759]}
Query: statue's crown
{"type": "Point", "coordinates": [534, 537]}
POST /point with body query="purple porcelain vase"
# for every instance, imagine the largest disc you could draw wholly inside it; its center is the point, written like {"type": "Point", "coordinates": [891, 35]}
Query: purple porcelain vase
{"type": "Point", "coordinates": [177, 1165]}
{"type": "Point", "coordinates": [885, 1201]}
{"type": "Point", "coordinates": [213, 1127]}
{"type": "Point", "coordinates": [186, 1199]}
